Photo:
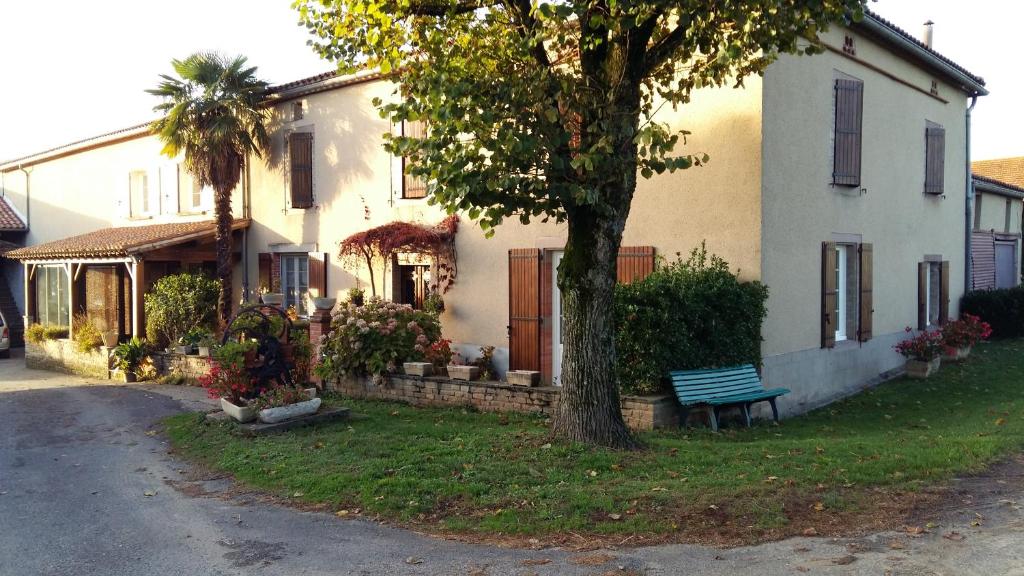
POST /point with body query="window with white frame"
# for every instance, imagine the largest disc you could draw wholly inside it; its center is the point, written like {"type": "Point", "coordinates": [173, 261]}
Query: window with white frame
{"type": "Point", "coordinates": [191, 196]}
{"type": "Point", "coordinates": [295, 280]}
{"type": "Point", "coordinates": [933, 303]}
{"type": "Point", "coordinates": [138, 193]}
{"type": "Point", "coordinates": [52, 296]}
{"type": "Point", "coordinates": [847, 291]}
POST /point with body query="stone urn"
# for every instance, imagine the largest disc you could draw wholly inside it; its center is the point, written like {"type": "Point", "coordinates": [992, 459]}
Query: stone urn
{"type": "Point", "coordinates": [956, 354]}
{"type": "Point", "coordinates": [923, 368]}
{"type": "Point", "coordinates": [282, 413]}
{"type": "Point", "coordinates": [240, 413]}
{"type": "Point", "coordinates": [272, 299]}
{"type": "Point", "coordinates": [323, 303]}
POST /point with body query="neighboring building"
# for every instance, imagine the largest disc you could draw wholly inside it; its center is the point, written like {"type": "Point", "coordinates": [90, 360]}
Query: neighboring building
{"type": "Point", "coordinates": [839, 180]}
{"type": "Point", "coordinates": [13, 227]}
{"type": "Point", "coordinates": [998, 211]}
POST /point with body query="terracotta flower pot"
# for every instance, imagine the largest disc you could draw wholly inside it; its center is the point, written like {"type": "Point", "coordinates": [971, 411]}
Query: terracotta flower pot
{"type": "Point", "coordinates": [923, 368]}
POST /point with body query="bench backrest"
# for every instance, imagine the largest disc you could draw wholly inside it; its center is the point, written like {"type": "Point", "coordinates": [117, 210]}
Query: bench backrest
{"type": "Point", "coordinates": [695, 386]}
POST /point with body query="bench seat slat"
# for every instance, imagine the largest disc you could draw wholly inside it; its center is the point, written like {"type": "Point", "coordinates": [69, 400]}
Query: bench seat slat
{"type": "Point", "coordinates": [735, 391]}
{"type": "Point", "coordinates": [718, 385]}
{"type": "Point", "coordinates": [716, 370]}
{"type": "Point", "coordinates": [722, 387]}
{"type": "Point", "coordinates": [741, 399]}
{"type": "Point", "coordinates": [704, 381]}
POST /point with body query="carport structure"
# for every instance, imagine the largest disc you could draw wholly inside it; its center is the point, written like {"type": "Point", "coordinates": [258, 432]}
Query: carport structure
{"type": "Point", "coordinates": [106, 273]}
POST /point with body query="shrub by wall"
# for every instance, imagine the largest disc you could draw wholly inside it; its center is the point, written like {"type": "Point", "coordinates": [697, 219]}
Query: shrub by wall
{"type": "Point", "coordinates": [686, 315]}
{"type": "Point", "coordinates": [180, 303]}
{"type": "Point", "coordinates": [1003, 309]}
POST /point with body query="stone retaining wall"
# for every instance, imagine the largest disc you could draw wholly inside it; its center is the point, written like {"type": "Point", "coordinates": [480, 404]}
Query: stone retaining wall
{"type": "Point", "coordinates": [639, 412]}
{"type": "Point", "coordinates": [189, 366]}
{"type": "Point", "coordinates": [64, 356]}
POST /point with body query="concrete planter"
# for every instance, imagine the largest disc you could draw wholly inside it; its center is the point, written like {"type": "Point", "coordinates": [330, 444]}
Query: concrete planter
{"type": "Point", "coordinates": [184, 350]}
{"type": "Point", "coordinates": [958, 354]}
{"type": "Point", "coordinates": [239, 413]}
{"type": "Point", "coordinates": [324, 303]}
{"type": "Point", "coordinates": [204, 351]}
{"type": "Point", "coordinates": [528, 378]}
{"type": "Point", "coordinates": [282, 413]}
{"type": "Point", "coordinates": [923, 368]}
{"type": "Point", "coordinates": [463, 372]}
{"type": "Point", "coordinates": [272, 299]}
{"type": "Point", "coordinates": [418, 368]}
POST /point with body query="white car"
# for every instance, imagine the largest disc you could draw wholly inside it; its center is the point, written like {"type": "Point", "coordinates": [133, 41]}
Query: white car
{"type": "Point", "coordinates": [5, 338]}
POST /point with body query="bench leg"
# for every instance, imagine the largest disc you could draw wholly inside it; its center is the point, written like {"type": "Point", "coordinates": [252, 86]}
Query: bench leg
{"type": "Point", "coordinates": [745, 408]}
{"type": "Point", "coordinates": [775, 409]}
{"type": "Point", "coordinates": [684, 415]}
{"type": "Point", "coordinates": [713, 417]}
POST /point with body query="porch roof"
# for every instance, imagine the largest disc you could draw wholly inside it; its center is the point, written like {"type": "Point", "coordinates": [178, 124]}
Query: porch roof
{"type": "Point", "coordinates": [124, 242]}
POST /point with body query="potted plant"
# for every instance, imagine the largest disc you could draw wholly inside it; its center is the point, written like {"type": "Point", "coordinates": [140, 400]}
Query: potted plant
{"type": "Point", "coordinates": [207, 343]}
{"type": "Point", "coordinates": [271, 298]}
{"type": "Point", "coordinates": [356, 296]}
{"type": "Point", "coordinates": [459, 370]}
{"type": "Point", "coordinates": [188, 343]}
{"type": "Point", "coordinates": [434, 303]}
{"type": "Point", "coordinates": [284, 403]}
{"type": "Point", "coordinates": [109, 338]}
{"type": "Point", "coordinates": [229, 380]}
{"type": "Point", "coordinates": [128, 357]}
{"type": "Point", "coordinates": [923, 353]}
{"type": "Point", "coordinates": [959, 336]}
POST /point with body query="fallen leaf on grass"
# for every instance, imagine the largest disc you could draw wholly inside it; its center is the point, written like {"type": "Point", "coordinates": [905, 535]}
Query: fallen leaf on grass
{"type": "Point", "coordinates": [810, 532]}
{"type": "Point", "coordinates": [535, 561]}
{"type": "Point", "coordinates": [844, 560]}
{"type": "Point", "coordinates": [954, 536]}
{"type": "Point", "coordinates": [915, 530]}
{"type": "Point", "coordinates": [897, 545]}
{"type": "Point", "coordinates": [819, 506]}
{"type": "Point", "coordinates": [659, 489]}
{"type": "Point", "coordinates": [414, 560]}
{"type": "Point", "coordinates": [341, 513]}
{"type": "Point", "coordinates": [615, 516]}
{"type": "Point", "coordinates": [151, 433]}
{"type": "Point", "coordinates": [1000, 421]}
{"type": "Point", "coordinates": [149, 493]}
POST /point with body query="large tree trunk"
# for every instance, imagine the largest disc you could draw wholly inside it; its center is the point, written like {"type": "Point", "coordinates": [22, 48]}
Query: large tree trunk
{"type": "Point", "coordinates": [589, 409]}
{"type": "Point", "coordinates": [225, 266]}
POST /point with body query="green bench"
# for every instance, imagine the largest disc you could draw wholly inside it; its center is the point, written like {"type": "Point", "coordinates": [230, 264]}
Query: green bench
{"type": "Point", "coordinates": [719, 388]}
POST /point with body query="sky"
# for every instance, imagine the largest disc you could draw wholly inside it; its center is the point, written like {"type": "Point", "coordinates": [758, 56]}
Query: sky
{"type": "Point", "coordinates": [80, 69]}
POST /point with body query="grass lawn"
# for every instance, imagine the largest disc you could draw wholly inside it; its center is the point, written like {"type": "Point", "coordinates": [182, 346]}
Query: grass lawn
{"type": "Point", "coordinates": [863, 462]}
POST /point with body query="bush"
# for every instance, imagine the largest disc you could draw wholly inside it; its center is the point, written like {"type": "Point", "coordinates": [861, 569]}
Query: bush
{"type": "Point", "coordinates": [129, 356]}
{"type": "Point", "coordinates": [924, 347]}
{"type": "Point", "coordinates": [37, 333]}
{"type": "Point", "coordinates": [376, 338]}
{"type": "Point", "coordinates": [178, 304]}
{"type": "Point", "coordinates": [1003, 309]}
{"type": "Point", "coordinates": [87, 335]}
{"type": "Point", "coordinates": [965, 332]}
{"type": "Point", "coordinates": [686, 315]}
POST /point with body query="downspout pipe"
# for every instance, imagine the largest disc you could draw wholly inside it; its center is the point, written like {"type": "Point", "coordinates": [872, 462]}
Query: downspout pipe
{"type": "Point", "coordinates": [28, 196]}
{"type": "Point", "coordinates": [969, 208]}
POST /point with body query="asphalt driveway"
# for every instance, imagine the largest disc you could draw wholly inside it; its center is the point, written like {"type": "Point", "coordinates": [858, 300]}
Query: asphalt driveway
{"type": "Point", "coordinates": [87, 487]}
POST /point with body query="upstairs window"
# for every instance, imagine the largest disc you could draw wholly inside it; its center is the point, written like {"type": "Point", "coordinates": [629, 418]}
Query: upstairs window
{"type": "Point", "coordinates": [300, 155]}
{"type": "Point", "coordinates": [138, 193]}
{"type": "Point", "coordinates": [191, 196]}
{"type": "Point", "coordinates": [413, 186]}
{"type": "Point", "coordinates": [935, 158]}
{"type": "Point", "coordinates": [849, 105]}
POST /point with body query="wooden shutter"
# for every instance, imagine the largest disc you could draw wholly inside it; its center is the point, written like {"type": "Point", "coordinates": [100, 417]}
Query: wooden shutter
{"type": "Point", "coordinates": [524, 309]}
{"type": "Point", "coordinates": [944, 292]}
{"type": "Point", "coordinates": [935, 159]}
{"type": "Point", "coordinates": [300, 152]}
{"type": "Point", "coordinates": [265, 279]}
{"type": "Point", "coordinates": [867, 302]}
{"type": "Point", "coordinates": [983, 260]}
{"type": "Point", "coordinates": [829, 294]}
{"type": "Point", "coordinates": [413, 186]}
{"type": "Point", "coordinates": [635, 263]}
{"type": "Point", "coordinates": [849, 118]}
{"type": "Point", "coordinates": [318, 274]}
{"type": "Point", "coordinates": [922, 295]}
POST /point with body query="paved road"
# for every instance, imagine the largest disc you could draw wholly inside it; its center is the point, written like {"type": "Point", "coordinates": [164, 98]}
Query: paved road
{"type": "Point", "coordinates": [86, 488]}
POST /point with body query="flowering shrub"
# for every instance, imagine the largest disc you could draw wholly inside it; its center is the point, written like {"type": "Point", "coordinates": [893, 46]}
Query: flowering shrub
{"type": "Point", "coordinates": [228, 377]}
{"type": "Point", "coordinates": [924, 347]}
{"type": "Point", "coordinates": [965, 332]}
{"type": "Point", "coordinates": [439, 353]}
{"type": "Point", "coordinates": [376, 338]}
{"type": "Point", "coordinates": [278, 396]}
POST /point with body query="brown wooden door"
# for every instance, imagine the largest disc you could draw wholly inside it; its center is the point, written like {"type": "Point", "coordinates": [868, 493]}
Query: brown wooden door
{"type": "Point", "coordinates": [524, 311]}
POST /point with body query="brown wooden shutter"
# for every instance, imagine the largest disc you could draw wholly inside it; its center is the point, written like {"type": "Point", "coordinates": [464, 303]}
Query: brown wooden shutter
{"type": "Point", "coordinates": [413, 186]}
{"type": "Point", "coordinates": [318, 274]}
{"type": "Point", "coordinates": [524, 308]}
{"type": "Point", "coordinates": [635, 263]}
{"type": "Point", "coordinates": [944, 293]}
{"type": "Point", "coordinates": [829, 294]}
{"type": "Point", "coordinates": [922, 295]}
{"type": "Point", "coordinates": [983, 260]}
{"type": "Point", "coordinates": [300, 151]}
{"type": "Point", "coordinates": [867, 301]}
{"type": "Point", "coordinates": [848, 121]}
{"type": "Point", "coordinates": [935, 159]}
{"type": "Point", "coordinates": [265, 278]}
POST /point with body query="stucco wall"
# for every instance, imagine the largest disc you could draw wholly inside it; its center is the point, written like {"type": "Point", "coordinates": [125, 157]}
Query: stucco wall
{"type": "Point", "coordinates": [993, 213]}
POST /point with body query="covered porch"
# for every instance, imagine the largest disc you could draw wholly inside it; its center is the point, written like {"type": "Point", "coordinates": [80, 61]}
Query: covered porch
{"type": "Point", "coordinates": [105, 274]}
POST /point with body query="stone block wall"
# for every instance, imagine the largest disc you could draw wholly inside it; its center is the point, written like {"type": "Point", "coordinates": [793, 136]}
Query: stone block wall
{"type": "Point", "coordinates": [191, 367]}
{"type": "Point", "coordinates": [64, 356]}
{"type": "Point", "coordinates": [640, 413]}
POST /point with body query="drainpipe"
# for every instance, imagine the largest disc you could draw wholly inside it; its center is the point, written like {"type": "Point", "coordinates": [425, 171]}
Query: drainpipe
{"type": "Point", "coordinates": [246, 190]}
{"type": "Point", "coordinates": [969, 209]}
{"type": "Point", "coordinates": [28, 196]}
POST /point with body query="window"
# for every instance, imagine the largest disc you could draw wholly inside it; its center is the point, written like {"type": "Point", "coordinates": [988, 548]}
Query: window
{"type": "Point", "coordinates": [849, 108]}
{"type": "Point", "coordinates": [413, 186]}
{"type": "Point", "coordinates": [300, 154]}
{"type": "Point", "coordinates": [295, 280]}
{"type": "Point", "coordinates": [413, 282]}
{"type": "Point", "coordinates": [935, 158]}
{"type": "Point", "coordinates": [1009, 215]}
{"type": "Point", "coordinates": [847, 297]}
{"type": "Point", "coordinates": [932, 293]}
{"type": "Point", "coordinates": [52, 296]}
{"type": "Point", "coordinates": [138, 193]}
{"type": "Point", "coordinates": [846, 291]}
{"type": "Point", "coordinates": [977, 211]}
{"type": "Point", "coordinates": [191, 196]}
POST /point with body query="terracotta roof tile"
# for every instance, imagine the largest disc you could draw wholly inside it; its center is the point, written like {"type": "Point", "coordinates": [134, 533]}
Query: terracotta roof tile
{"type": "Point", "coordinates": [9, 219]}
{"type": "Point", "coordinates": [118, 242]}
{"type": "Point", "coordinates": [1007, 170]}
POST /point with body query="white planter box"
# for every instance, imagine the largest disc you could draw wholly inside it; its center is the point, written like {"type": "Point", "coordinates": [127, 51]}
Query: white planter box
{"type": "Point", "coordinates": [463, 372]}
{"type": "Point", "coordinates": [418, 368]}
{"type": "Point", "coordinates": [957, 355]}
{"type": "Point", "coordinates": [282, 413]}
{"type": "Point", "coordinates": [922, 368]}
{"type": "Point", "coordinates": [527, 378]}
{"type": "Point", "coordinates": [204, 351]}
{"type": "Point", "coordinates": [239, 413]}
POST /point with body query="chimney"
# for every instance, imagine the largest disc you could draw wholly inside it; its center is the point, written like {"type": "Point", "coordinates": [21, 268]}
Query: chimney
{"type": "Point", "coordinates": [928, 33]}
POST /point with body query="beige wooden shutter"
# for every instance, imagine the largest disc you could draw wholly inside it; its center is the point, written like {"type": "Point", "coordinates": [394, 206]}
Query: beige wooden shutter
{"type": "Point", "coordinates": [524, 309]}
{"type": "Point", "coordinates": [944, 292]}
{"type": "Point", "coordinates": [829, 294]}
{"type": "Point", "coordinates": [413, 186]}
{"type": "Point", "coordinates": [922, 295]}
{"type": "Point", "coordinates": [867, 301]}
{"type": "Point", "coordinates": [634, 263]}
{"type": "Point", "coordinates": [935, 159]}
{"type": "Point", "coordinates": [300, 153]}
{"type": "Point", "coordinates": [318, 274]}
{"type": "Point", "coordinates": [849, 118]}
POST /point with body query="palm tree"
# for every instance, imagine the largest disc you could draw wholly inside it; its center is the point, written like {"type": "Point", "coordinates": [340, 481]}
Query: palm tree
{"type": "Point", "coordinates": [213, 115]}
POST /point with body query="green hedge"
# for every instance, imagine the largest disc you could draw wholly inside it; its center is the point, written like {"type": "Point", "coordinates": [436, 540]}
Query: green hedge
{"type": "Point", "coordinates": [686, 315]}
{"type": "Point", "coordinates": [1003, 309]}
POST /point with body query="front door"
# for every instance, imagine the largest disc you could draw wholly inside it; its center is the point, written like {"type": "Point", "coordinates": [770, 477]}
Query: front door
{"type": "Point", "coordinates": [556, 322]}
{"type": "Point", "coordinates": [1006, 264]}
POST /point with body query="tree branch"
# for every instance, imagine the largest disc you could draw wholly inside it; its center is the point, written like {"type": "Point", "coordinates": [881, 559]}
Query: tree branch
{"type": "Point", "coordinates": [523, 10]}
{"type": "Point", "coordinates": [439, 8]}
{"type": "Point", "coordinates": [660, 52]}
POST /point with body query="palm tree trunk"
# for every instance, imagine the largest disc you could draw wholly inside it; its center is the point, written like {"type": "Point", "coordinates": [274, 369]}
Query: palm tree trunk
{"type": "Point", "coordinates": [225, 266]}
